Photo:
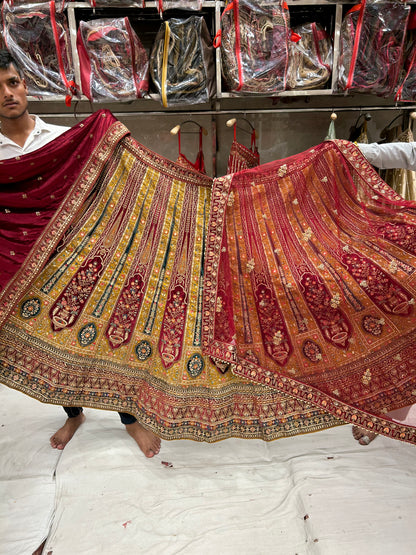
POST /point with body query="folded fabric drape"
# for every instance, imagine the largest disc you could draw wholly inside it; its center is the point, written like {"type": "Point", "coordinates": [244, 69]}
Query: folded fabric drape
{"type": "Point", "coordinates": [32, 188]}
{"type": "Point", "coordinates": [105, 307]}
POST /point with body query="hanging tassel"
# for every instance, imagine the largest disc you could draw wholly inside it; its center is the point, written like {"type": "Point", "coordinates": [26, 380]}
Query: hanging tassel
{"type": "Point", "coordinates": [331, 129]}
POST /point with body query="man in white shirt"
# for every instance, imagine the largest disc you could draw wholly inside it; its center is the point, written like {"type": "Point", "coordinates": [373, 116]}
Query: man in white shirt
{"type": "Point", "coordinates": [21, 133]}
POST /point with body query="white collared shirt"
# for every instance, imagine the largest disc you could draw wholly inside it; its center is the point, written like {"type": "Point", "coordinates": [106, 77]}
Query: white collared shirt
{"type": "Point", "coordinates": [42, 134]}
{"type": "Point", "coordinates": [390, 155]}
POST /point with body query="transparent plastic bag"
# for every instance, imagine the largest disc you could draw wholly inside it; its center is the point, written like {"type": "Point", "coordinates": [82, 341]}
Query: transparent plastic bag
{"type": "Point", "coordinates": [182, 62]}
{"type": "Point", "coordinates": [112, 3]}
{"type": "Point", "coordinates": [372, 36]}
{"type": "Point", "coordinates": [38, 37]}
{"type": "Point", "coordinates": [160, 5]}
{"type": "Point", "coordinates": [406, 90]}
{"type": "Point", "coordinates": [254, 41]}
{"type": "Point", "coordinates": [180, 4]}
{"type": "Point", "coordinates": [113, 62]}
{"type": "Point", "coordinates": [310, 57]}
{"type": "Point", "coordinates": [60, 5]}
{"type": "Point", "coordinates": [407, 87]}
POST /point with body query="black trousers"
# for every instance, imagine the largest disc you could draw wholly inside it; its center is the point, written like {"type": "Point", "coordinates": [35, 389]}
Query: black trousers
{"type": "Point", "coordinates": [76, 411]}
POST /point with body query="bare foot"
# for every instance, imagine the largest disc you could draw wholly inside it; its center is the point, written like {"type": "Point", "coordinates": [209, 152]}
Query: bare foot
{"type": "Point", "coordinates": [64, 434]}
{"type": "Point", "coordinates": [148, 442]}
{"type": "Point", "coordinates": [364, 437]}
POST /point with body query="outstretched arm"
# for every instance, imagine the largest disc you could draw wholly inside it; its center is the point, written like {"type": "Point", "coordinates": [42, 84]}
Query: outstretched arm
{"type": "Point", "coordinates": [390, 155]}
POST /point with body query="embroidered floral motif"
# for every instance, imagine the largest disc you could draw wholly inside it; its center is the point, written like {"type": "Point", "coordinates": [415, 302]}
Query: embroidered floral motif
{"type": "Point", "coordinates": [87, 334]}
{"type": "Point", "coordinates": [69, 304]}
{"type": "Point", "coordinates": [332, 321]}
{"type": "Point", "coordinates": [220, 305]}
{"type": "Point", "coordinates": [282, 171]}
{"type": "Point", "coordinates": [307, 234]}
{"type": "Point", "coordinates": [373, 325]}
{"type": "Point", "coordinates": [251, 356]}
{"type": "Point", "coordinates": [30, 308]}
{"type": "Point", "coordinates": [195, 365]}
{"type": "Point", "coordinates": [312, 351]}
{"type": "Point", "coordinates": [335, 301]}
{"type": "Point", "coordinates": [251, 265]}
{"type": "Point", "coordinates": [143, 350]}
{"type": "Point", "coordinates": [393, 266]}
{"type": "Point", "coordinates": [230, 201]}
{"type": "Point", "coordinates": [277, 338]}
{"type": "Point", "coordinates": [366, 379]}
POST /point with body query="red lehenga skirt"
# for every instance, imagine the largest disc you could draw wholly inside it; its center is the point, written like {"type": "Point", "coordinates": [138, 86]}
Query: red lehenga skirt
{"type": "Point", "coordinates": [310, 284]}
{"type": "Point", "coordinates": [103, 246]}
{"type": "Point", "coordinates": [261, 305]}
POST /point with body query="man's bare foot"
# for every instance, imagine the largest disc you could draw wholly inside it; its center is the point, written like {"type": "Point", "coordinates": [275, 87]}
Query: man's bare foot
{"type": "Point", "coordinates": [148, 442]}
{"type": "Point", "coordinates": [364, 437]}
{"type": "Point", "coordinates": [64, 434]}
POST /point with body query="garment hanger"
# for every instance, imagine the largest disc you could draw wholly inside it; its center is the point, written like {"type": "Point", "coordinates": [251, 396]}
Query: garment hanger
{"type": "Point", "coordinates": [233, 121]}
{"type": "Point", "coordinates": [331, 129]}
{"type": "Point", "coordinates": [393, 120]}
{"type": "Point", "coordinates": [383, 133]}
{"type": "Point", "coordinates": [367, 117]}
{"type": "Point", "coordinates": [356, 129]}
{"type": "Point", "coordinates": [175, 130]}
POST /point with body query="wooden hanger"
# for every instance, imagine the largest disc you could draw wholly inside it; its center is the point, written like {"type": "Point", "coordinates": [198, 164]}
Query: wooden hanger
{"type": "Point", "coordinates": [233, 121]}
{"type": "Point", "coordinates": [175, 130]}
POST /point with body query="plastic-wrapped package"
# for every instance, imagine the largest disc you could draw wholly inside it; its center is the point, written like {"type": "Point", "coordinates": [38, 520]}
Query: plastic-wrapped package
{"type": "Point", "coordinates": [59, 4]}
{"type": "Point", "coordinates": [254, 46]}
{"type": "Point", "coordinates": [180, 4]}
{"type": "Point", "coordinates": [372, 37]}
{"type": "Point", "coordinates": [160, 5]}
{"type": "Point", "coordinates": [406, 90]}
{"type": "Point", "coordinates": [310, 57]}
{"type": "Point", "coordinates": [112, 3]}
{"type": "Point", "coordinates": [38, 37]}
{"type": "Point", "coordinates": [182, 62]}
{"type": "Point", "coordinates": [113, 62]}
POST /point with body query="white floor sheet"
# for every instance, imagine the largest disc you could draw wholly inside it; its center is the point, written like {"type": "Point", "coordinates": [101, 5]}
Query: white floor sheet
{"type": "Point", "coordinates": [320, 494]}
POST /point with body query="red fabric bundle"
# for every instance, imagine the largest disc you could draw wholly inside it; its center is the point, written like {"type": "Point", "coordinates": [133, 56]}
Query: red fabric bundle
{"type": "Point", "coordinates": [29, 201]}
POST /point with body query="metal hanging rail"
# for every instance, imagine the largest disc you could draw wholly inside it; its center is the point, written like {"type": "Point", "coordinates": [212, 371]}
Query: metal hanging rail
{"type": "Point", "coordinates": [242, 111]}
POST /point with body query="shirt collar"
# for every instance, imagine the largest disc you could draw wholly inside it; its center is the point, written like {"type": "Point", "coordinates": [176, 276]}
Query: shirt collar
{"type": "Point", "coordinates": [40, 127]}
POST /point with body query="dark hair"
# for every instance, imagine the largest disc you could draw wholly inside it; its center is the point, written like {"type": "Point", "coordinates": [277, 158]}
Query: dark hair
{"type": "Point", "coordinates": [6, 60]}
